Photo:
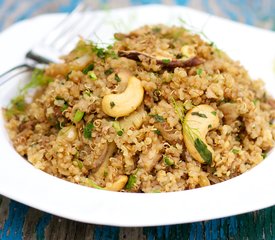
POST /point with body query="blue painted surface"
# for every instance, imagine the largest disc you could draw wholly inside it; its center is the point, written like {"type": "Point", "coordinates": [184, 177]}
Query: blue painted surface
{"type": "Point", "coordinates": [231, 227]}
{"type": "Point", "coordinates": [13, 226]}
{"type": "Point", "coordinates": [42, 224]}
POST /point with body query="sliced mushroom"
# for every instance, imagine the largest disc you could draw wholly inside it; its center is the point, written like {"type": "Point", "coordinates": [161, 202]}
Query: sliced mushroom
{"type": "Point", "coordinates": [103, 167]}
{"type": "Point", "coordinates": [135, 119]}
{"type": "Point", "coordinates": [149, 158]}
{"type": "Point", "coordinates": [230, 112]}
{"type": "Point", "coordinates": [197, 123]}
{"type": "Point", "coordinates": [164, 62]}
{"type": "Point", "coordinates": [168, 133]}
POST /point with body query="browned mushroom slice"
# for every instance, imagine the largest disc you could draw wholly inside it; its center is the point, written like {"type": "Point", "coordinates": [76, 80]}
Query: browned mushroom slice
{"type": "Point", "coordinates": [104, 160]}
{"type": "Point", "coordinates": [164, 62]}
{"type": "Point", "coordinates": [169, 134]}
{"type": "Point", "coordinates": [150, 157]}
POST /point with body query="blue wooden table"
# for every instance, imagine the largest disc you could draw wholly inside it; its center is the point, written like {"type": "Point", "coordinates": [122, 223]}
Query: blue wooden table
{"type": "Point", "coordinates": [18, 221]}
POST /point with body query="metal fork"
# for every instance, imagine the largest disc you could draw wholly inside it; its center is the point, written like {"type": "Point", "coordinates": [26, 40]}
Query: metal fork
{"type": "Point", "coordinates": [58, 41]}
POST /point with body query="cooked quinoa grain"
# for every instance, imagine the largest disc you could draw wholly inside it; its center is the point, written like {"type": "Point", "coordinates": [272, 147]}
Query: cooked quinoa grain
{"type": "Point", "coordinates": [159, 110]}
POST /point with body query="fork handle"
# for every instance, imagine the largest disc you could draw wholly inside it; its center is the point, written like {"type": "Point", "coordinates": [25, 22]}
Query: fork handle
{"type": "Point", "coordinates": [6, 76]}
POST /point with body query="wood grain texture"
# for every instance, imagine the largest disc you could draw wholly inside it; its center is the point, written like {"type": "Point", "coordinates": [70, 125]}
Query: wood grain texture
{"type": "Point", "coordinates": [18, 221]}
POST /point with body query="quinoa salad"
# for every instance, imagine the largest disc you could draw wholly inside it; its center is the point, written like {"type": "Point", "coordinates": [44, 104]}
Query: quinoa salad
{"type": "Point", "coordinates": [159, 110]}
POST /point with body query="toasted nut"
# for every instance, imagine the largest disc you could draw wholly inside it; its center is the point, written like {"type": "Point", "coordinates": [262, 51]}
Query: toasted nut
{"type": "Point", "coordinates": [118, 184]}
{"type": "Point", "coordinates": [119, 105]}
{"type": "Point", "coordinates": [197, 123]}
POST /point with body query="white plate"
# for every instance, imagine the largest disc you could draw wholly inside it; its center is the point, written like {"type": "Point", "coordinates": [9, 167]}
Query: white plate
{"type": "Point", "coordinates": [253, 190]}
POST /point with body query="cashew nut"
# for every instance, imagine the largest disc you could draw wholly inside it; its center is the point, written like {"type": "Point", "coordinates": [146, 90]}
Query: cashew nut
{"type": "Point", "coordinates": [197, 123]}
{"type": "Point", "coordinates": [118, 184]}
{"type": "Point", "coordinates": [119, 105]}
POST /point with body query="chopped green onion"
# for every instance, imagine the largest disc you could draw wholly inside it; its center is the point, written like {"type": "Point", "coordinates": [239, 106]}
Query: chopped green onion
{"type": "Point", "coordinates": [87, 131]}
{"type": "Point", "coordinates": [166, 61]}
{"type": "Point", "coordinates": [92, 75]}
{"type": "Point", "coordinates": [78, 116]}
{"type": "Point", "coordinates": [131, 182]}
{"type": "Point", "coordinates": [168, 161]}
{"type": "Point", "coordinates": [117, 128]}
{"type": "Point", "coordinates": [235, 151]}
{"type": "Point", "coordinates": [202, 115]}
{"type": "Point", "coordinates": [90, 67]}
{"type": "Point", "coordinates": [199, 71]}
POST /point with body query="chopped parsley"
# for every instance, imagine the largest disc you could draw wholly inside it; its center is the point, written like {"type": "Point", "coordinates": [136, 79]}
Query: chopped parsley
{"type": "Point", "coordinates": [214, 113]}
{"type": "Point", "coordinates": [199, 71]}
{"type": "Point", "coordinates": [131, 182]}
{"type": "Point", "coordinates": [210, 126]}
{"type": "Point", "coordinates": [156, 131]}
{"type": "Point", "coordinates": [202, 115]}
{"type": "Point", "coordinates": [88, 68]}
{"type": "Point", "coordinates": [117, 78]}
{"type": "Point", "coordinates": [166, 61]}
{"type": "Point", "coordinates": [157, 117]}
{"type": "Point", "coordinates": [112, 104]}
{"type": "Point", "coordinates": [264, 155]}
{"type": "Point", "coordinates": [64, 107]}
{"type": "Point", "coordinates": [203, 151]}
{"type": "Point", "coordinates": [87, 131]}
{"type": "Point", "coordinates": [109, 71]}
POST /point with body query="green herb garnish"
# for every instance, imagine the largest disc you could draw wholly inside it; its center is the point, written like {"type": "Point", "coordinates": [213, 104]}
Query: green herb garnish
{"type": "Point", "coordinates": [64, 107]}
{"type": "Point", "coordinates": [112, 104]}
{"type": "Point", "coordinates": [168, 161]}
{"type": "Point", "coordinates": [264, 155]}
{"type": "Point", "coordinates": [117, 78]}
{"type": "Point", "coordinates": [166, 61]}
{"type": "Point", "coordinates": [117, 128]}
{"type": "Point", "coordinates": [235, 151]}
{"type": "Point", "coordinates": [90, 67]}
{"type": "Point", "coordinates": [203, 151]}
{"type": "Point", "coordinates": [214, 113]}
{"type": "Point", "coordinates": [199, 71]}
{"type": "Point", "coordinates": [156, 131]}
{"type": "Point", "coordinates": [131, 182]}
{"type": "Point", "coordinates": [202, 115]}
{"type": "Point", "coordinates": [92, 75]}
{"type": "Point", "coordinates": [157, 117]}
{"type": "Point", "coordinates": [78, 116]}
{"type": "Point", "coordinates": [109, 71]}
{"type": "Point", "coordinates": [38, 79]}
{"type": "Point", "coordinates": [87, 131]}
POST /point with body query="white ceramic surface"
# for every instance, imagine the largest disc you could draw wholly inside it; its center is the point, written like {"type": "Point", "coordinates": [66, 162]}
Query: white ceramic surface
{"type": "Point", "coordinates": [253, 190]}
